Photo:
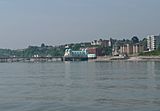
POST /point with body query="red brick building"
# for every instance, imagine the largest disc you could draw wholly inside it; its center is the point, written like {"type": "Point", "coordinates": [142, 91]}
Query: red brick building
{"type": "Point", "coordinates": [94, 50]}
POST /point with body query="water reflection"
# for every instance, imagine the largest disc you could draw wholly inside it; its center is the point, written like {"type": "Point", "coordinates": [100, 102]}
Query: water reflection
{"type": "Point", "coordinates": [151, 73]}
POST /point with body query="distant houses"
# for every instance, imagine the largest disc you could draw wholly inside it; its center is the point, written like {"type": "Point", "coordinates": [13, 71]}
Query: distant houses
{"type": "Point", "coordinates": [134, 46]}
{"type": "Point", "coordinates": [128, 47]}
{"type": "Point", "coordinates": [100, 47]}
{"type": "Point", "coordinates": [113, 47]}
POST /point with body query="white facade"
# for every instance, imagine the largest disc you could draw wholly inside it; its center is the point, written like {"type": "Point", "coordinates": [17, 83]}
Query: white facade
{"type": "Point", "coordinates": [153, 42]}
{"type": "Point", "coordinates": [71, 53]}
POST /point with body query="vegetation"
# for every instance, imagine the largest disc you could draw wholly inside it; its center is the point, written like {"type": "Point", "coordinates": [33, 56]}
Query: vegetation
{"type": "Point", "coordinates": [151, 53]}
{"type": "Point", "coordinates": [106, 50]}
{"type": "Point", "coordinates": [144, 42]}
{"type": "Point", "coordinates": [50, 51]}
{"type": "Point", "coordinates": [42, 51]}
{"type": "Point", "coordinates": [135, 39]}
{"type": "Point", "coordinates": [6, 52]}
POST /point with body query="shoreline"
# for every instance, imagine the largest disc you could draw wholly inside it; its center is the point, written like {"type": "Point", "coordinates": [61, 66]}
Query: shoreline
{"type": "Point", "coordinates": [98, 59]}
{"type": "Point", "coordinates": [130, 58]}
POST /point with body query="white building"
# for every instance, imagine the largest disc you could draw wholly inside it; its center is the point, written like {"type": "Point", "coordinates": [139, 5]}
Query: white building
{"type": "Point", "coordinates": [153, 42]}
{"type": "Point", "coordinates": [71, 53]}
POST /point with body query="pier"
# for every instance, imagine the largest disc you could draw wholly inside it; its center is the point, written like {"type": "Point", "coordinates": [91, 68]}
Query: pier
{"type": "Point", "coordinates": [75, 58]}
{"type": "Point", "coordinates": [31, 59]}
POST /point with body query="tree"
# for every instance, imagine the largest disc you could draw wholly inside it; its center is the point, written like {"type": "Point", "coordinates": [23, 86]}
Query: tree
{"type": "Point", "coordinates": [144, 42]}
{"type": "Point", "coordinates": [135, 39]}
{"type": "Point", "coordinates": [158, 47]}
{"type": "Point", "coordinates": [42, 45]}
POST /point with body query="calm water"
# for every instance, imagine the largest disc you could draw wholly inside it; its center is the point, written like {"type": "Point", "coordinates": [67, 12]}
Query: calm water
{"type": "Point", "coordinates": [80, 86]}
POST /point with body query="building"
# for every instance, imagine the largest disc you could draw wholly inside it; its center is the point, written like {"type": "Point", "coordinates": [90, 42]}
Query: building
{"type": "Point", "coordinates": [131, 48]}
{"type": "Point", "coordinates": [71, 53]}
{"type": "Point", "coordinates": [153, 42]}
{"type": "Point", "coordinates": [126, 49]}
{"type": "Point", "coordinates": [100, 42]}
{"type": "Point", "coordinates": [94, 50]}
{"type": "Point", "coordinates": [138, 48]}
{"type": "Point", "coordinates": [106, 43]}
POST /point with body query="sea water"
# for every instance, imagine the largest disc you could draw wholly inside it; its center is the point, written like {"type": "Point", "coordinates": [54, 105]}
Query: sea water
{"type": "Point", "coordinates": [80, 86]}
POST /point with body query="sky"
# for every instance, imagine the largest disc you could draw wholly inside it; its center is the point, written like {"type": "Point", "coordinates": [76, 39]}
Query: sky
{"type": "Point", "coordinates": [55, 22]}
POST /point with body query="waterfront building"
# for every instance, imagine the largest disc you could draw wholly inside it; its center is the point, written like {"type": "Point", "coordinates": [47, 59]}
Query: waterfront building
{"type": "Point", "coordinates": [153, 42]}
{"type": "Point", "coordinates": [71, 53]}
{"type": "Point", "coordinates": [126, 49]}
{"type": "Point", "coordinates": [95, 50]}
{"type": "Point", "coordinates": [131, 48]}
{"type": "Point", "coordinates": [138, 48]}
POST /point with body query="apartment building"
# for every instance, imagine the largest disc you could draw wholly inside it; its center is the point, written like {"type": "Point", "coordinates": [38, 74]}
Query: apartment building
{"type": "Point", "coordinates": [153, 42]}
{"type": "Point", "coordinates": [131, 48]}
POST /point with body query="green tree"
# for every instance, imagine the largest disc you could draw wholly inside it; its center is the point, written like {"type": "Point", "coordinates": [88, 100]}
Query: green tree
{"type": "Point", "coordinates": [135, 39]}
{"type": "Point", "coordinates": [42, 45]}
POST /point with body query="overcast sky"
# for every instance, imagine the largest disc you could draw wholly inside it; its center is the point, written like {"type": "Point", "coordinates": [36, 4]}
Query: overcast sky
{"type": "Point", "coordinates": [54, 22]}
